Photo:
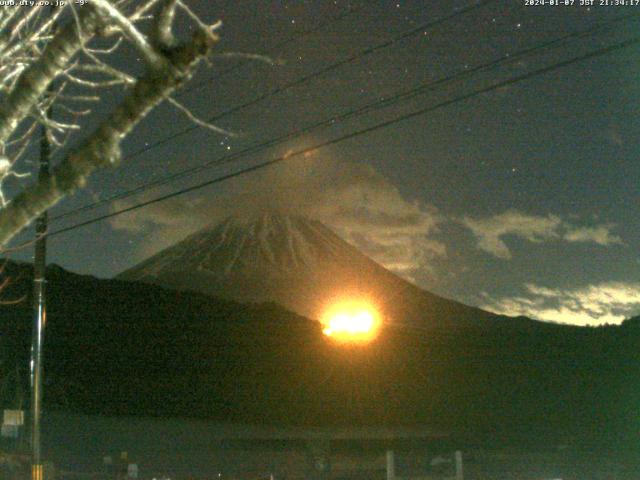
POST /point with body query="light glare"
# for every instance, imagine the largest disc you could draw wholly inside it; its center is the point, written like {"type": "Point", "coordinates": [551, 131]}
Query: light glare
{"type": "Point", "coordinates": [351, 322]}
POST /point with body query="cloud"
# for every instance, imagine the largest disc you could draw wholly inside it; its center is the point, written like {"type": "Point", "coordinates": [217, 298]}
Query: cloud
{"type": "Point", "coordinates": [353, 199]}
{"type": "Point", "coordinates": [608, 302]}
{"type": "Point", "coordinates": [600, 234]}
{"type": "Point", "coordinates": [165, 223]}
{"type": "Point", "coordinates": [490, 231]}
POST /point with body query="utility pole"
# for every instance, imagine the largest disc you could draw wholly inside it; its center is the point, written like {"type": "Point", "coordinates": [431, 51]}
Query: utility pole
{"type": "Point", "coordinates": [459, 471]}
{"type": "Point", "coordinates": [391, 465]}
{"type": "Point", "coordinates": [40, 313]}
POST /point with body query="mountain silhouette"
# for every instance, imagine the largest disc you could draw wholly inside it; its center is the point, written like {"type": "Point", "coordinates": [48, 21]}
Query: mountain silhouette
{"type": "Point", "coordinates": [123, 347]}
{"type": "Point", "coordinates": [299, 263]}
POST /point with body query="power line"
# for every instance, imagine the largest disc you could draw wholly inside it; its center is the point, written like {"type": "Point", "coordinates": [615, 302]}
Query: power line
{"type": "Point", "coordinates": [383, 103]}
{"type": "Point", "coordinates": [295, 37]}
{"type": "Point", "coordinates": [596, 53]}
{"type": "Point", "coordinates": [317, 73]}
{"type": "Point", "coordinates": [307, 78]}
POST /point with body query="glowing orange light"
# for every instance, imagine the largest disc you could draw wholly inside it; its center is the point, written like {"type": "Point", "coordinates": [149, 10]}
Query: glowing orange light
{"type": "Point", "coordinates": [351, 321]}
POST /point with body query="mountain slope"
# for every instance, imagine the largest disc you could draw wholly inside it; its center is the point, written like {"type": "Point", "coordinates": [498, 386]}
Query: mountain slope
{"type": "Point", "coordinates": [114, 347]}
{"type": "Point", "coordinates": [133, 349]}
{"type": "Point", "coordinates": [297, 262]}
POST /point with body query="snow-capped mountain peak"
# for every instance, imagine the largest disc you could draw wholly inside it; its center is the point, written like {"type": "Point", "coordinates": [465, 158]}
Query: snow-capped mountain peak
{"type": "Point", "coordinates": [288, 259]}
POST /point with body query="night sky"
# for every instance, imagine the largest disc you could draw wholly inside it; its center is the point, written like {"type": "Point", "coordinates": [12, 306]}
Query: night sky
{"type": "Point", "coordinates": [521, 200]}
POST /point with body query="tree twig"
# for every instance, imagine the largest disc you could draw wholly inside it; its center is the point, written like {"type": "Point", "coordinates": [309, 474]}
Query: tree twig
{"type": "Point", "coordinates": [102, 148]}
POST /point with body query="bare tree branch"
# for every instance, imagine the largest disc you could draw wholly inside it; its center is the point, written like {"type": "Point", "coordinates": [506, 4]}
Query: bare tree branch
{"type": "Point", "coordinates": [39, 59]}
{"type": "Point", "coordinates": [24, 20]}
{"type": "Point", "coordinates": [197, 121]}
{"type": "Point", "coordinates": [206, 28]}
{"type": "Point", "coordinates": [141, 11]}
{"type": "Point", "coordinates": [108, 50]}
{"type": "Point", "coordinates": [115, 17]}
{"type": "Point", "coordinates": [102, 148]}
{"type": "Point", "coordinates": [8, 15]}
{"type": "Point", "coordinates": [162, 30]}
{"type": "Point", "coordinates": [34, 81]}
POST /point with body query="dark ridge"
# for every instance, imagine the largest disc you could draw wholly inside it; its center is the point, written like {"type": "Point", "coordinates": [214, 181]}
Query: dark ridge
{"type": "Point", "coordinates": [127, 348]}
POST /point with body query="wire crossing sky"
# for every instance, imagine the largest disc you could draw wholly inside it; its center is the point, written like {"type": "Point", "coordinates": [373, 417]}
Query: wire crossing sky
{"type": "Point", "coordinates": [384, 102]}
{"type": "Point", "coordinates": [298, 153]}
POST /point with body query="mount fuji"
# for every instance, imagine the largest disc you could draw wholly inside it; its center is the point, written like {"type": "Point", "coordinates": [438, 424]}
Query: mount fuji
{"type": "Point", "coordinates": [117, 347]}
{"type": "Point", "coordinates": [296, 262]}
